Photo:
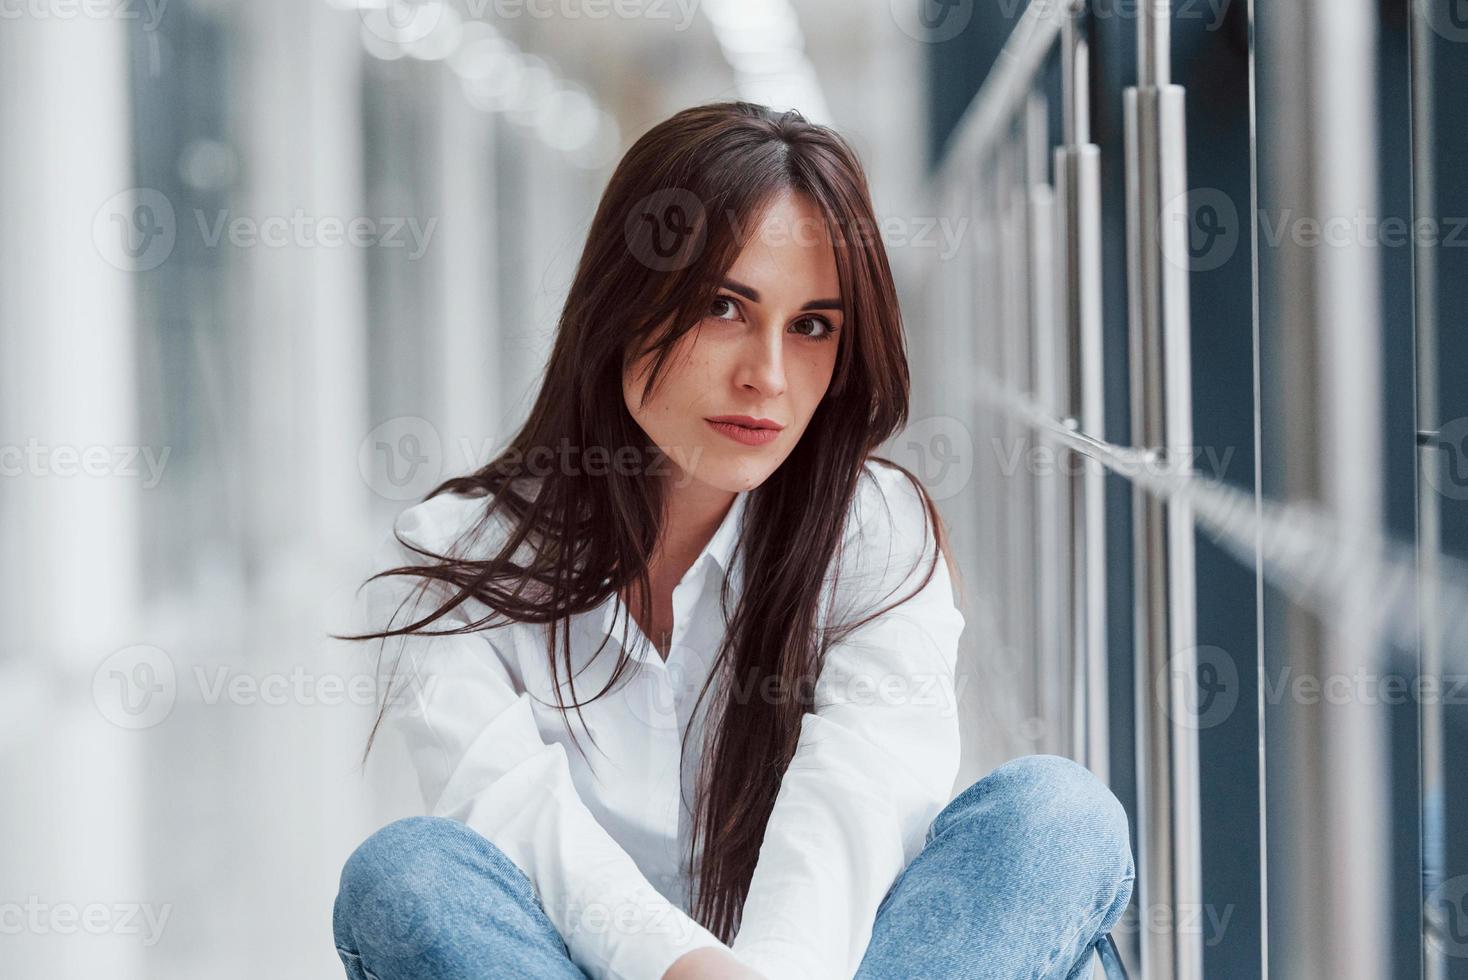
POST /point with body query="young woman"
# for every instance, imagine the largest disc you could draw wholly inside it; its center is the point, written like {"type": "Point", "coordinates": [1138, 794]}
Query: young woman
{"type": "Point", "coordinates": [692, 526]}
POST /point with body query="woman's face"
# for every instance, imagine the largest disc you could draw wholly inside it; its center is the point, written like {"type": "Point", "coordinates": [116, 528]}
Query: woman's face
{"type": "Point", "coordinates": [765, 351]}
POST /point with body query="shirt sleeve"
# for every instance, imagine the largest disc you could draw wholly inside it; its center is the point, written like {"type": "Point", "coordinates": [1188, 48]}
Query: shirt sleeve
{"type": "Point", "coordinates": [875, 762]}
{"type": "Point", "coordinates": [480, 759]}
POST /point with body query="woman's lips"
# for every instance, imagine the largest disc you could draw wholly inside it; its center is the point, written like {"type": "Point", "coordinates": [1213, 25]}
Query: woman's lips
{"type": "Point", "coordinates": [744, 434]}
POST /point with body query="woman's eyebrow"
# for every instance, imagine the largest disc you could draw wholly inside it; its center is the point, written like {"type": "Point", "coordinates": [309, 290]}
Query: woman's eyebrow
{"type": "Point", "coordinates": [752, 294]}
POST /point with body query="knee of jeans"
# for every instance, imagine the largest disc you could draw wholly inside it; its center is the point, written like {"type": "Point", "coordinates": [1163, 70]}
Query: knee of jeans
{"type": "Point", "coordinates": [1054, 804]}
{"type": "Point", "coordinates": [396, 872]}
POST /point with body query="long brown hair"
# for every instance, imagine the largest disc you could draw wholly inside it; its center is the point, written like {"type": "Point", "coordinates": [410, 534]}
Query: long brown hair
{"type": "Point", "coordinates": [675, 215]}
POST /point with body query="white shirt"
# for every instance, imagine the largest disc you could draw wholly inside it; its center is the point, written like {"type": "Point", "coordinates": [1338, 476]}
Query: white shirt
{"type": "Point", "coordinates": [601, 837]}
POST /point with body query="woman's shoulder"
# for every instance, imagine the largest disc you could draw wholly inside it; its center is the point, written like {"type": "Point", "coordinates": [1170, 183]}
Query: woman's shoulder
{"type": "Point", "coordinates": [447, 527]}
{"type": "Point", "coordinates": [453, 525]}
{"type": "Point", "coordinates": [888, 535]}
{"type": "Point", "coordinates": [439, 523]}
{"type": "Point", "coordinates": [889, 508]}
{"type": "Point", "coordinates": [890, 552]}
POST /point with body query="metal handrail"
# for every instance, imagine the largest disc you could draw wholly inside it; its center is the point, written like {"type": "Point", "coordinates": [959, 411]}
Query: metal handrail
{"type": "Point", "coordinates": [1062, 227]}
{"type": "Point", "coordinates": [1165, 590]}
{"type": "Point", "coordinates": [1007, 86]}
{"type": "Point", "coordinates": [1328, 842]}
{"type": "Point", "coordinates": [1347, 588]}
{"type": "Point", "coordinates": [1078, 183]}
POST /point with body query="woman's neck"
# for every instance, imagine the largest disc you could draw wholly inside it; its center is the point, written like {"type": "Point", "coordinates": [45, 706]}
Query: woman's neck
{"type": "Point", "coordinates": [695, 512]}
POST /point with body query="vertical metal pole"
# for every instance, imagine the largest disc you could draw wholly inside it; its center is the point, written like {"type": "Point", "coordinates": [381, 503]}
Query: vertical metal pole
{"type": "Point", "coordinates": [1075, 76]}
{"type": "Point", "coordinates": [1070, 600]}
{"type": "Point", "coordinates": [1045, 330]}
{"type": "Point", "coordinates": [1167, 752]}
{"type": "Point", "coordinates": [1024, 516]}
{"type": "Point", "coordinates": [1429, 516]}
{"type": "Point", "coordinates": [1328, 782]}
{"type": "Point", "coordinates": [1016, 598]}
{"type": "Point", "coordinates": [953, 366]}
{"type": "Point", "coordinates": [979, 311]}
{"type": "Point", "coordinates": [1154, 44]}
{"type": "Point", "coordinates": [1078, 179]}
{"type": "Point", "coordinates": [1075, 120]}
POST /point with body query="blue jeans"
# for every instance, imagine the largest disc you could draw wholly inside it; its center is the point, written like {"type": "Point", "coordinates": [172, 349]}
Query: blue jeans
{"type": "Point", "coordinates": [1023, 874]}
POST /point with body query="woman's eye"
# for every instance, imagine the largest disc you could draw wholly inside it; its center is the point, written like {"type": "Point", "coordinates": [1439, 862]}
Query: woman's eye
{"type": "Point", "coordinates": [721, 302]}
{"type": "Point", "coordinates": [818, 328]}
{"type": "Point", "coordinates": [813, 327]}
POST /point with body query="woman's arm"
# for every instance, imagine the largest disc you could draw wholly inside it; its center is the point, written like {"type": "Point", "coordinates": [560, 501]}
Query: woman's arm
{"type": "Point", "coordinates": [480, 759]}
{"type": "Point", "coordinates": [876, 759]}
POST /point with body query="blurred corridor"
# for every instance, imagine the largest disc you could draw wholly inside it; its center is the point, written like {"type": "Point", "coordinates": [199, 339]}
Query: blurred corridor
{"type": "Point", "coordinates": [1181, 286]}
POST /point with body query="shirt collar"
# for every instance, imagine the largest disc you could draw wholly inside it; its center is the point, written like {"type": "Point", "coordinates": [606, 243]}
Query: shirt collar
{"type": "Point", "coordinates": [720, 549]}
{"type": "Point", "coordinates": [721, 546]}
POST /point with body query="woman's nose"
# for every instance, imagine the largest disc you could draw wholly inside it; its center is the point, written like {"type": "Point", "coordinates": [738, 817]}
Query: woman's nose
{"type": "Point", "coordinates": [763, 361]}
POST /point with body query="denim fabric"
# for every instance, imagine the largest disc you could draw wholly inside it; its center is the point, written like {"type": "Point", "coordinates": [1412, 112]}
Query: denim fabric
{"type": "Point", "coordinates": [1021, 875]}
{"type": "Point", "coordinates": [428, 898]}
